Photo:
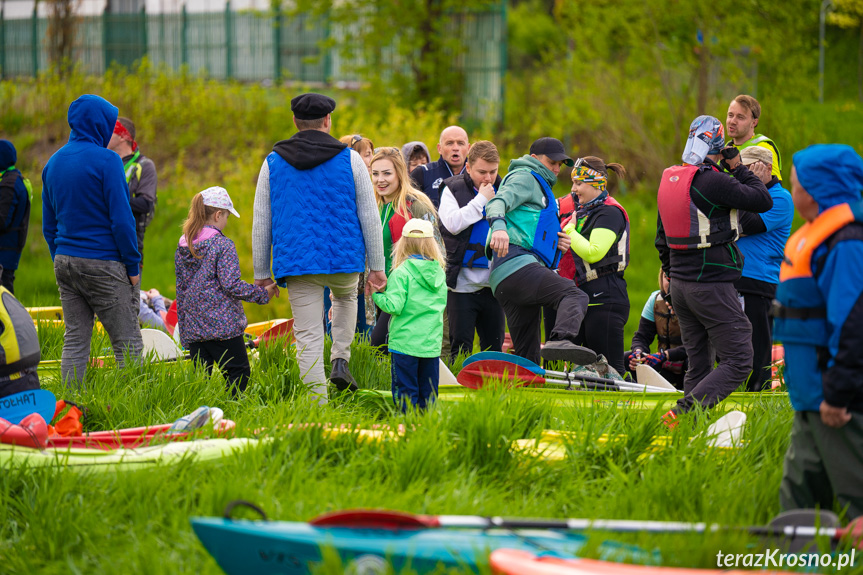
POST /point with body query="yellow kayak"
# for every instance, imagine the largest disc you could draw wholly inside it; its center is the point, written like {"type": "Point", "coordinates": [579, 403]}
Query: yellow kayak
{"type": "Point", "coordinates": [50, 312]}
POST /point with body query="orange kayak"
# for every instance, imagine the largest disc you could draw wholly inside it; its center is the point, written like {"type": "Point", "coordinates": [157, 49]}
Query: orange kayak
{"type": "Point", "coordinates": [515, 562]}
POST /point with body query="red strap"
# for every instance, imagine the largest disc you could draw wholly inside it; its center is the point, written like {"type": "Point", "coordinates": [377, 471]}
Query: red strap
{"type": "Point", "coordinates": [171, 318]}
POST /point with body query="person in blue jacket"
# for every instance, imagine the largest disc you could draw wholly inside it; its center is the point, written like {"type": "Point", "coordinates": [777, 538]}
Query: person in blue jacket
{"type": "Point", "coordinates": [90, 230]}
{"type": "Point", "coordinates": [762, 242]}
{"type": "Point", "coordinates": [15, 194]}
{"type": "Point", "coordinates": [818, 314]}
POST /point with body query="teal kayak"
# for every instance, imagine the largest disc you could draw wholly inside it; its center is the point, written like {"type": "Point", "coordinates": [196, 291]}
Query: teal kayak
{"type": "Point", "coordinates": [241, 546]}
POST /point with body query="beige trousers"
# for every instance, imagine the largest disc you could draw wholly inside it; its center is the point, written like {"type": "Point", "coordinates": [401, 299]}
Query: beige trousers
{"type": "Point", "coordinates": [306, 294]}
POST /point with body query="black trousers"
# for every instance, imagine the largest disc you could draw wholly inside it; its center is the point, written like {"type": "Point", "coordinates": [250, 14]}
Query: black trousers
{"type": "Point", "coordinates": [229, 355]}
{"type": "Point", "coordinates": [525, 292]}
{"type": "Point", "coordinates": [710, 317]}
{"type": "Point", "coordinates": [757, 309]}
{"type": "Point", "coordinates": [602, 331]}
{"type": "Point", "coordinates": [478, 311]}
{"type": "Point", "coordinates": [7, 279]}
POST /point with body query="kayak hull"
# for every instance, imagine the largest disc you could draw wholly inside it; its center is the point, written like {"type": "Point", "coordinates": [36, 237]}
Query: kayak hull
{"type": "Point", "coordinates": [606, 399]}
{"type": "Point", "coordinates": [12, 456]}
{"type": "Point", "coordinates": [293, 548]}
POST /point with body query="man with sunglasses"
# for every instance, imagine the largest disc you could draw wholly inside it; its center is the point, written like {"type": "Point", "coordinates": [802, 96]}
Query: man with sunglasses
{"type": "Point", "coordinates": [696, 233]}
{"type": "Point", "coordinates": [527, 244]}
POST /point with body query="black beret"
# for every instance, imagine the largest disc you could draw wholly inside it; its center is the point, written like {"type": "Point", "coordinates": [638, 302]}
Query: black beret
{"type": "Point", "coordinates": [312, 106]}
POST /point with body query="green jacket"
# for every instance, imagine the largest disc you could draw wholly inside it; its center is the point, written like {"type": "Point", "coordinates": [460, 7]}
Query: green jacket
{"type": "Point", "coordinates": [415, 297]}
{"type": "Point", "coordinates": [519, 201]}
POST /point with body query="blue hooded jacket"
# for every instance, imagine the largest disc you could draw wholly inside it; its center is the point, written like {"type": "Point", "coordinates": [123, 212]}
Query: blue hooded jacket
{"type": "Point", "coordinates": [14, 208]}
{"type": "Point", "coordinates": [832, 174]}
{"type": "Point", "coordinates": [85, 198]}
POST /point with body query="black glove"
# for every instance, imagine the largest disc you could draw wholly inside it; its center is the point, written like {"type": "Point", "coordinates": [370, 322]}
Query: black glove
{"type": "Point", "coordinates": [728, 154]}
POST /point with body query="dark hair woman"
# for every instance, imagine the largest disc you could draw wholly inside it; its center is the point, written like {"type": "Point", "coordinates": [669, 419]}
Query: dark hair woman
{"type": "Point", "coordinates": [599, 229]}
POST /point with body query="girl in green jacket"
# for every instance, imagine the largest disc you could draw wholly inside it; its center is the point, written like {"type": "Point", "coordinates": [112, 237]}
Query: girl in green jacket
{"type": "Point", "coordinates": [415, 297]}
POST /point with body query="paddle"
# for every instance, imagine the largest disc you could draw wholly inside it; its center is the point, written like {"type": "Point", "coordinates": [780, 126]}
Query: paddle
{"type": "Point", "coordinates": [15, 407]}
{"type": "Point", "coordinates": [659, 382]}
{"type": "Point", "coordinates": [533, 375]}
{"type": "Point", "coordinates": [790, 525]}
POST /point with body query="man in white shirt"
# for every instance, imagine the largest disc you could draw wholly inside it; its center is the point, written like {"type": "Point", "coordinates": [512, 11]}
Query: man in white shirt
{"type": "Point", "coordinates": [471, 305]}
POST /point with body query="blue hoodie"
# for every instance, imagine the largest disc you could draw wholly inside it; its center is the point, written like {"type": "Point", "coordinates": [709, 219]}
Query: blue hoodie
{"type": "Point", "coordinates": [85, 198]}
{"type": "Point", "coordinates": [14, 208]}
{"type": "Point", "coordinates": [832, 174]}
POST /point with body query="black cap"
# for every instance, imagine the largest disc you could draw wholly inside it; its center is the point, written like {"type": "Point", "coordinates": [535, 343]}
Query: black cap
{"type": "Point", "coordinates": [312, 106]}
{"type": "Point", "coordinates": [553, 148]}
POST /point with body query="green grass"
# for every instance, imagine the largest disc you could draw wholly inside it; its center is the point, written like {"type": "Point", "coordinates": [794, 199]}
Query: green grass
{"type": "Point", "coordinates": [456, 459]}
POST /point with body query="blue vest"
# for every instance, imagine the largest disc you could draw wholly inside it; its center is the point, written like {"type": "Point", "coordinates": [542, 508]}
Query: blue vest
{"type": "Point", "coordinates": [316, 229]}
{"type": "Point", "coordinates": [545, 238]}
{"type": "Point", "coordinates": [800, 309]}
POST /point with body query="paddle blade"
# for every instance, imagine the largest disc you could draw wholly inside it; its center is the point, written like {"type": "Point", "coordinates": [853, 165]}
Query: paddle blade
{"type": "Point", "coordinates": [15, 407]}
{"type": "Point", "coordinates": [375, 519]}
{"type": "Point", "coordinates": [445, 376]}
{"type": "Point", "coordinates": [283, 329]}
{"type": "Point", "coordinates": [726, 431]}
{"type": "Point", "coordinates": [478, 375]}
{"type": "Point", "coordinates": [646, 375]}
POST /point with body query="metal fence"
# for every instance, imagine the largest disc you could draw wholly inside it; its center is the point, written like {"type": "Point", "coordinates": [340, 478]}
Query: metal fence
{"type": "Point", "coordinates": [249, 46]}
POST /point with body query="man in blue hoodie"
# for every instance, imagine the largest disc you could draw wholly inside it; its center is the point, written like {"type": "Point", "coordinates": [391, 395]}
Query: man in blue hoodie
{"type": "Point", "coordinates": [90, 230]}
{"type": "Point", "coordinates": [14, 213]}
{"type": "Point", "coordinates": [817, 315]}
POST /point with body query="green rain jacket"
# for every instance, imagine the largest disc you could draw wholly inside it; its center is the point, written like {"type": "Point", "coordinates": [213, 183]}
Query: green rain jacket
{"type": "Point", "coordinates": [415, 297]}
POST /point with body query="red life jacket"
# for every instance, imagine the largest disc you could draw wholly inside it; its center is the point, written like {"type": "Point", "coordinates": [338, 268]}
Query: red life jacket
{"type": "Point", "coordinates": [686, 226]}
{"type": "Point", "coordinates": [570, 269]}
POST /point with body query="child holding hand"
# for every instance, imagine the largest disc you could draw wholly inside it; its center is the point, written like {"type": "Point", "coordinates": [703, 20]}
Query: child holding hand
{"type": "Point", "coordinates": [415, 297]}
{"type": "Point", "coordinates": [209, 289]}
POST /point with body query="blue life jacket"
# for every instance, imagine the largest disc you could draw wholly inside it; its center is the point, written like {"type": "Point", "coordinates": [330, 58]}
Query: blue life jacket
{"type": "Point", "coordinates": [316, 229]}
{"type": "Point", "coordinates": [545, 238]}
{"type": "Point", "coordinates": [800, 308]}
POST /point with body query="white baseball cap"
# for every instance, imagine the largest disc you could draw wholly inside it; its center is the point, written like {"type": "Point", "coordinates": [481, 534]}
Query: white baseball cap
{"type": "Point", "coordinates": [217, 197]}
{"type": "Point", "coordinates": [417, 228]}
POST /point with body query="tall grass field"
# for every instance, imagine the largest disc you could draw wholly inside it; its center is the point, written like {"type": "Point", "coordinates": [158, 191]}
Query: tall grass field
{"type": "Point", "coordinates": [459, 458]}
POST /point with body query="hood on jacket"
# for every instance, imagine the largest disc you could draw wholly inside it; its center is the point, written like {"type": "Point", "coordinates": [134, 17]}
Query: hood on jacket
{"type": "Point", "coordinates": [92, 119]}
{"type": "Point", "coordinates": [409, 148]}
{"type": "Point", "coordinates": [8, 155]}
{"type": "Point", "coordinates": [831, 173]}
{"type": "Point", "coordinates": [427, 273]}
{"type": "Point", "coordinates": [308, 149]}
{"type": "Point", "coordinates": [531, 163]}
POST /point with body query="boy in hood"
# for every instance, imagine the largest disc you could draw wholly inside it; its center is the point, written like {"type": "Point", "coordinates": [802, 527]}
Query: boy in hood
{"type": "Point", "coordinates": [15, 194]}
{"type": "Point", "coordinates": [308, 183]}
{"type": "Point", "coordinates": [818, 313]}
{"type": "Point", "coordinates": [90, 230]}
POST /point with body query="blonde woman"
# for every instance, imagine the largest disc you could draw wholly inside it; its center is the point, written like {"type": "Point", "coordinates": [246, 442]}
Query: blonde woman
{"type": "Point", "coordinates": [415, 297]}
{"type": "Point", "coordinates": [398, 202]}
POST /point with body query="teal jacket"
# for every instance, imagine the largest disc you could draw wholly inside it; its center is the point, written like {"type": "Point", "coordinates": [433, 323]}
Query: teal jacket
{"type": "Point", "coordinates": [519, 201]}
{"type": "Point", "coordinates": [415, 298]}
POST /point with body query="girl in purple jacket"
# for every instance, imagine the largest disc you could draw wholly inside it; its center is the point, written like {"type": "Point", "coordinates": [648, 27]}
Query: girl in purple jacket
{"type": "Point", "coordinates": [209, 290]}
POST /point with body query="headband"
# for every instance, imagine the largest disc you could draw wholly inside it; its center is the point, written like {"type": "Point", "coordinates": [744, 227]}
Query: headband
{"type": "Point", "coordinates": [121, 131]}
{"type": "Point", "coordinates": [584, 173]}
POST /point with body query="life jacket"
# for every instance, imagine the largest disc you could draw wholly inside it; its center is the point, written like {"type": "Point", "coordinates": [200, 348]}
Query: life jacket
{"type": "Point", "coordinates": [465, 249]}
{"type": "Point", "coordinates": [19, 342]}
{"type": "Point", "coordinates": [758, 139]}
{"type": "Point", "coordinates": [15, 237]}
{"type": "Point", "coordinates": [133, 167]}
{"type": "Point", "coordinates": [667, 325]}
{"type": "Point", "coordinates": [800, 308]}
{"type": "Point", "coordinates": [615, 260]}
{"type": "Point", "coordinates": [544, 242]}
{"type": "Point", "coordinates": [303, 206]}
{"type": "Point", "coordinates": [686, 226]}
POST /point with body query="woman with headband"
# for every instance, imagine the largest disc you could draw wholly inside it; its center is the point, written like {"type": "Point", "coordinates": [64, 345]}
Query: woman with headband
{"type": "Point", "coordinates": [599, 229]}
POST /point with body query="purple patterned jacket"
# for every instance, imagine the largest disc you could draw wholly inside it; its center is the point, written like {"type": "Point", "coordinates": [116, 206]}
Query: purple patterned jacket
{"type": "Point", "coordinates": [209, 289]}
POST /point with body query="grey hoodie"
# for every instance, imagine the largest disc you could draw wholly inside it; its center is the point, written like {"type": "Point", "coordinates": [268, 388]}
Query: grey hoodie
{"type": "Point", "coordinates": [409, 148]}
